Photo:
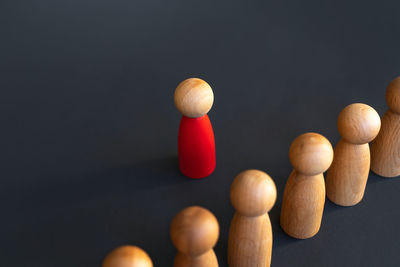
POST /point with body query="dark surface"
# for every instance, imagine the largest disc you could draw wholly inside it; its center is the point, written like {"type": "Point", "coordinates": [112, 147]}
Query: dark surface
{"type": "Point", "coordinates": [88, 126]}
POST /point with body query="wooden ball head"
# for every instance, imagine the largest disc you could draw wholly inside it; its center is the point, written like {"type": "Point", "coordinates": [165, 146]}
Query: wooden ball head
{"type": "Point", "coordinates": [127, 256]}
{"type": "Point", "coordinates": [194, 232]}
{"type": "Point", "coordinates": [304, 196]}
{"type": "Point", "coordinates": [358, 123]}
{"type": "Point", "coordinates": [311, 154]}
{"type": "Point", "coordinates": [253, 194]}
{"type": "Point", "coordinates": [347, 177]}
{"type": "Point", "coordinates": [193, 98]}
{"type": "Point", "coordinates": [385, 149]}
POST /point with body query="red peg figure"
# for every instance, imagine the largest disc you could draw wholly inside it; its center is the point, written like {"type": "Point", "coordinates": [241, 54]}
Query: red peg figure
{"type": "Point", "coordinates": [196, 145]}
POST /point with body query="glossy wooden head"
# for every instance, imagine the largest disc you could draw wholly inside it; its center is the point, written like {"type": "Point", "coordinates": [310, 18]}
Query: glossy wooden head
{"type": "Point", "coordinates": [193, 97]}
{"type": "Point", "coordinates": [359, 123]}
{"type": "Point", "coordinates": [311, 154]}
{"type": "Point", "coordinates": [253, 193]}
{"type": "Point", "coordinates": [194, 231]}
{"type": "Point", "coordinates": [127, 256]}
{"type": "Point", "coordinates": [393, 95]}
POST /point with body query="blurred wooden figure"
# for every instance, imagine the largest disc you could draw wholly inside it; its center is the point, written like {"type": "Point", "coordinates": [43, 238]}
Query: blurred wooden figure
{"type": "Point", "coordinates": [196, 145]}
{"type": "Point", "coordinates": [304, 196]}
{"type": "Point", "coordinates": [253, 194]}
{"type": "Point", "coordinates": [194, 233]}
{"type": "Point", "coordinates": [127, 256]}
{"type": "Point", "coordinates": [385, 149]}
{"type": "Point", "coordinates": [347, 177]}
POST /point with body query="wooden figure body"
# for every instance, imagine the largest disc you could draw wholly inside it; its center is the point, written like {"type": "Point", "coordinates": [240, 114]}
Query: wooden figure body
{"type": "Point", "coordinates": [304, 199]}
{"type": "Point", "coordinates": [196, 145]}
{"type": "Point", "coordinates": [347, 177]}
{"type": "Point", "coordinates": [127, 256]}
{"type": "Point", "coordinates": [194, 232]}
{"type": "Point", "coordinates": [385, 149]}
{"type": "Point", "coordinates": [304, 196]}
{"type": "Point", "coordinates": [253, 194]}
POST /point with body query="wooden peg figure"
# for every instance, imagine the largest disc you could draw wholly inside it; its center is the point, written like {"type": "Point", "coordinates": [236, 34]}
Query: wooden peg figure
{"type": "Point", "coordinates": [194, 232]}
{"type": "Point", "coordinates": [127, 256]}
{"type": "Point", "coordinates": [253, 194]}
{"type": "Point", "coordinates": [196, 145]}
{"type": "Point", "coordinates": [347, 177]}
{"type": "Point", "coordinates": [385, 149]}
{"type": "Point", "coordinates": [311, 154]}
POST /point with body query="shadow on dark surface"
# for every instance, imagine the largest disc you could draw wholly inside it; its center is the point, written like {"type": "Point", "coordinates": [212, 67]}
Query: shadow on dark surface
{"type": "Point", "coordinates": [375, 178]}
{"type": "Point", "coordinates": [104, 206]}
{"type": "Point", "coordinates": [221, 248]}
{"type": "Point", "coordinates": [145, 175]}
{"type": "Point", "coordinates": [332, 207]}
{"type": "Point", "coordinates": [163, 172]}
{"type": "Point", "coordinates": [280, 237]}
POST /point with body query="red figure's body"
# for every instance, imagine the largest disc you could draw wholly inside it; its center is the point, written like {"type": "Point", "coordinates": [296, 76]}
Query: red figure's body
{"type": "Point", "coordinates": [196, 147]}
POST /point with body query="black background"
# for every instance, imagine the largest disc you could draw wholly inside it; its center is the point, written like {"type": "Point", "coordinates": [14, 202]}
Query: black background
{"type": "Point", "coordinates": [89, 131]}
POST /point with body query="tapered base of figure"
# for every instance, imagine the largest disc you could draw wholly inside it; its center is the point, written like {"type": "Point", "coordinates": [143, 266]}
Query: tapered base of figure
{"type": "Point", "coordinates": [303, 205]}
{"type": "Point", "coordinates": [250, 241]}
{"type": "Point", "coordinates": [385, 149]}
{"type": "Point", "coordinates": [208, 259]}
{"type": "Point", "coordinates": [196, 147]}
{"type": "Point", "coordinates": [347, 177]}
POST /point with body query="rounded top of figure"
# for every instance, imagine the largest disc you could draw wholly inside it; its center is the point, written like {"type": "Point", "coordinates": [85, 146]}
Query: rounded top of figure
{"type": "Point", "coordinates": [193, 98]}
{"type": "Point", "coordinates": [127, 256]}
{"type": "Point", "coordinates": [359, 123]}
{"type": "Point", "coordinates": [253, 193]}
{"type": "Point", "coordinates": [311, 154]}
{"type": "Point", "coordinates": [393, 95]}
{"type": "Point", "coordinates": [194, 231]}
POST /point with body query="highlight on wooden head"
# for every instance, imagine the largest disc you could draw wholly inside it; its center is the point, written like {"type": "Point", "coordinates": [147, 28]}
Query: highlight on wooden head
{"type": "Point", "coordinates": [193, 97]}
{"type": "Point", "coordinates": [194, 230]}
{"type": "Point", "coordinates": [127, 256]}
{"type": "Point", "coordinates": [311, 154]}
{"type": "Point", "coordinates": [359, 123]}
{"type": "Point", "coordinates": [253, 193]}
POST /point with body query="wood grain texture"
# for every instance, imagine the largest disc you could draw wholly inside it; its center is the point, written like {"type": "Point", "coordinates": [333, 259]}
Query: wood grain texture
{"type": "Point", "coordinates": [303, 205]}
{"type": "Point", "coordinates": [127, 256]}
{"type": "Point", "coordinates": [358, 123]}
{"type": "Point", "coordinates": [311, 154]}
{"type": "Point", "coordinates": [207, 259]}
{"type": "Point", "coordinates": [304, 196]}
{"type": "Point", "coordinates": [194, 232]}
{"type": "Point", "coordinates": [393, 95]}
{"type": "Point", "coordinates": [347, 177]}
{"type": "Point", "coordinates": [250, 241]}
{"type": "Point", "coordinates": [385, 149]}
{"type": "Point", "coordinates": [193, 97]}
{"type": "Point", "coordinates": [253, 194]}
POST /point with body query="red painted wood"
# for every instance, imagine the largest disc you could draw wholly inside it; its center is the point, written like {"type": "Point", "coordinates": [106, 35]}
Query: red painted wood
{"type": "Point", "coordinates": [196, 147]}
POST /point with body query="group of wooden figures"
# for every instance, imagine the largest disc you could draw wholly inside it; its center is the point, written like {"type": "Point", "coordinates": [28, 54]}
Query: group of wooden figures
{"type": "Point", "coordinates": [194, 231]}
